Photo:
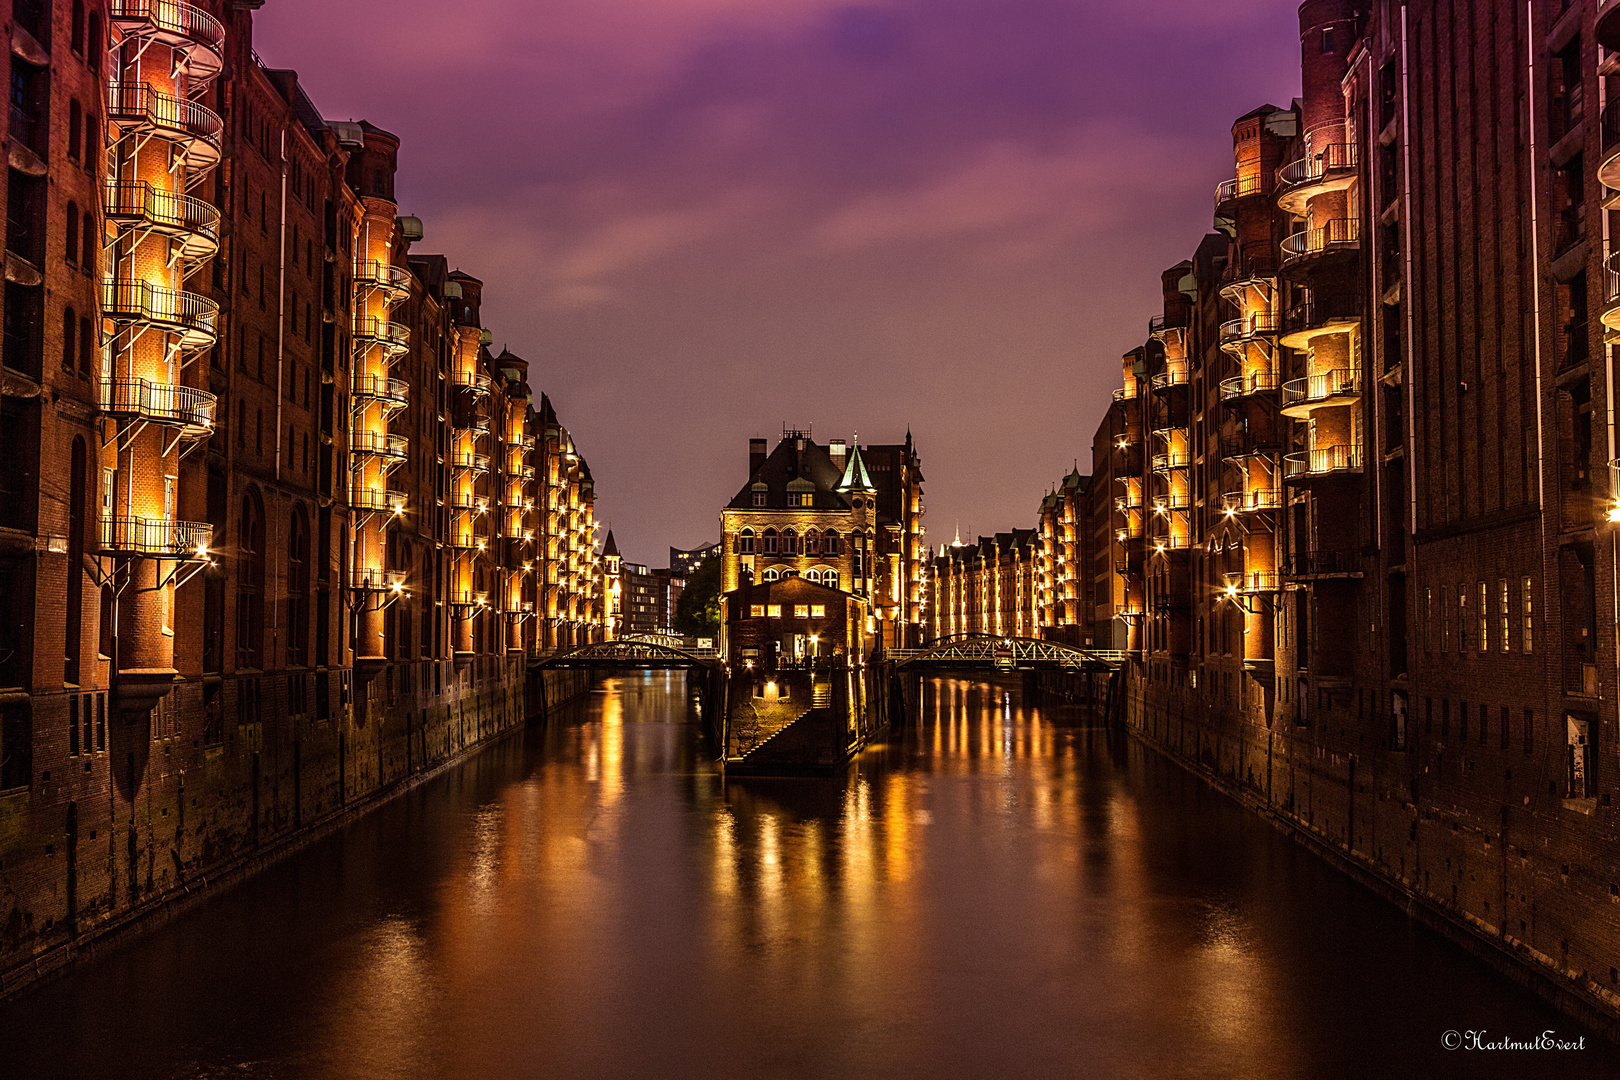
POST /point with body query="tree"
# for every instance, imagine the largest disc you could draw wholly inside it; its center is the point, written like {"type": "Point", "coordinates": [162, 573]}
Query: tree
{"type": "Point", "coordinates": [697, 612]}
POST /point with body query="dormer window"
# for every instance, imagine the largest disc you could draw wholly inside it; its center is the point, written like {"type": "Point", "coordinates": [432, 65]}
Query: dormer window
{"type": "Point", "coordinates": [803, 499]}
{"type": "Point", "coordinates": [759, 498]}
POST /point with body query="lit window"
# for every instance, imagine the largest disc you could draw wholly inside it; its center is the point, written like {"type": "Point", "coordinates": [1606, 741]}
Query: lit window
{"type": "Point", "coordinates": [774, 611]}
{"type": "Point", "coordinates": [818, 611]}
{"type": "Point", "coordinates": [756, 611]}
{"type": "Point", "coordinates": [1529, 615]}
{"type": "Point", "coordinates": [801, 611]}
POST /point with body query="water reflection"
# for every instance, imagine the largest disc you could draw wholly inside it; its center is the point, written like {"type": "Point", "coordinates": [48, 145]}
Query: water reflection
{"type": "Point", "coordinates": [999, 891]}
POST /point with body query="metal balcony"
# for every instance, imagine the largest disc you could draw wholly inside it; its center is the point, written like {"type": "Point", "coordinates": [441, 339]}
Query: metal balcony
{"type": "Point", "coordinates": [141, 304]}
{"type": "Point", "coordinates": [1327, 461]}
{"type": "Point", "coordinates": [1250, 582]}
{"type": "Point", "coordinates": [1239, 387]}
{"type": "Point", "coordinates": [462, 500]}
{"type": "Point", "coordinates": [194, 130]}
{"type": "Point", "coordinates": [373, 333]}
{"type": "Point", "coordinates": [478, 425]}
{"type": "Point", "coordinates": [1332, 168]}
{"type": "Point", "coordinates": [193, 33]}
{"type": "Point", "coordinates": [1230, 191]}
{"type": "Point", "coordinates": [1125, 393]}
{"type": "Point", "coordinates": [1608, 169]}
{"type": "Point", "coordinates": [1172, 502]}
{"type": "Point", "coordinates": [376, 579]}
{"type": "Point", "coordinates": [1339, 386]}
{"type": "Point", "coordinates": [460, 459]}
{"type": "Point", "coordinates": [393, 449]}
{"type": "Point", "coordinates": [1323, 313]}
{"type": "Point", "coordinates": [1237, 332]}
{"type": "Point", "coordinates": [394, 282]}
{"type": "Point", "coordinates": [140, 207]}
{"type": "Point", "coordinates": [190, 410]}
{"type": "Point", "coordinates": [1340, 236]}
{"type": "Point", "coordinates": [1252, 500]}
{"type": "Point", "coordinates": [156, 537]}
{"type": "Point", "coordinates": [376, 501]}
{"type": "Point", "coordinates": [1611, 289]}
{"type": "Point", "coordinates": [1171, 459]}
{"type": "Point", "coordinates": [1176, 373]}
{"type": "Point", "coordinates": [1127, 503]}
{"type": "Point", "coordinates": [1323, 564]}
{"type": "Point", "coordinates": [476, 381]}
{"type": "Point", "coordinates": [393, 393]}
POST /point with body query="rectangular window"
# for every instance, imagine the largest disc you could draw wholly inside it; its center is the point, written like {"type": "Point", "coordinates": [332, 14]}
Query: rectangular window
{"type": "Point", "coordinates": [801, 611]}
{"type": "Point", "coordinates": [1445, 718]}
{"type": "Point", "coordinates": [818, 611]}
{"type": "Point", "coordinates": [1484, 619]}
{"type": "Point", "coordinates": [1527, 633]}
{"type": "Point", "coordinates": [1428, 619]}
{"type": "Point", "coordinates": [1484, 724]}
{"type": "Point", "coordinates": [1445, 618]}
{"type": "Point", "coordinates": [101, 721]}
{"type": "Point", "coordinates": [1462, 618]}
{"type": "Point", "coordinates": [756, 611]}
{"type": "Point", "coordinates": [773, 611]}
{"type": "Point", "coordinates": [759, 498]}
{"type": "Point", "coordinates": [73, 725]}
{"type": "Point", "coordinates": [1507, 613]}
{"type": "Point", "coordinates": [1578, 763]}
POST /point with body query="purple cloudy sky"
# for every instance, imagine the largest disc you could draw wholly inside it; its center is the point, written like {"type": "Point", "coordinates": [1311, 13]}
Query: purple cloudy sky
{"type": "Point", "coordinates": [700, 219]}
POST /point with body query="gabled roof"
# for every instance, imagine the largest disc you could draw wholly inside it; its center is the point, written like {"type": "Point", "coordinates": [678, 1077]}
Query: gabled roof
{"type": "Point", "coordinates": [799, 465]}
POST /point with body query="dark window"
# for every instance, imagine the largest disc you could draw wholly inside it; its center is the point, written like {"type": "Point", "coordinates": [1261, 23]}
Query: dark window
{"type": "Point", "coordinates": [70, 344]}
{"type": "Point", "coordinates": [71, 247]}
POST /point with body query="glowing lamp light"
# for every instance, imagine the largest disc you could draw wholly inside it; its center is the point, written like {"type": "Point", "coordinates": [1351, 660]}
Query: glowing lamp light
{"type": "Point", "coordinates": [1231, 590]}
{"type": "Point", "coordinates": [202, 551]}
{"type": "Point", "coordinates": [1614, 514]}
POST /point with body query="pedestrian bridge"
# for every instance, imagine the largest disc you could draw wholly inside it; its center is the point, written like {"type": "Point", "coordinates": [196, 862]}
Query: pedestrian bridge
{"type": "Point", "coordinates": [993, 652]}
{"type": "Point", "coordinates": [632, 653]}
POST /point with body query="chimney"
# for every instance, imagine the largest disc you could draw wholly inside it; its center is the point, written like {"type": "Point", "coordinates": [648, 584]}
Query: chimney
{"type": "Point", "coordinates": [756, 455]}
{"type": "Point", "coordinates": [838, 451]}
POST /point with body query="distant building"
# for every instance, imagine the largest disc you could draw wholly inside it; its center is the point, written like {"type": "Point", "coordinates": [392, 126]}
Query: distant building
{"type": "Point", "coordinates": [838, 515]}
{"type": "Point", "coordinates": [988, 587]}
{"type": "Point", "coordinates": [684, 563]}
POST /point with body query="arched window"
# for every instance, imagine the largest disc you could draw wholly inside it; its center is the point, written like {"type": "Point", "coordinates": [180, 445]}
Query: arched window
{"type": "Point", "coordinates": [70, 345]}
{"type": "Point", "coordinates": [790, 542]}
{"type": "Point", "coordinates": [76, 33]}
{"type": "Point", "coordinates": [241, 421]}
{"type": "Point", "coordinates": [70, 250]}
{"type": "Point", "coordinates": [769, 575]}
{"type": "Point", "coordinates": [92, 144]}
{"type": "Point", "coordinates": [829, 543]}
{"type": "Point", "coordinates": [298, 590]}
{"type": "Point", "coordinates": [250, 583]}
{"type": "Point", "coordinates": [813, 575]}
{"type": "Point", "coordinates": [769, 546]}
{"type": "Point", "coordinates": [745, 542]}
{"type": "Point", "coordinates": [830, 579]}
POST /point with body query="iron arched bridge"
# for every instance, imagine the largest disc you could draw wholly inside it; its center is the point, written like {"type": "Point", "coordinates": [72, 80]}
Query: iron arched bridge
{"type": "Point", "coordinates": [631, 654]}
{"type": "Point", "coordinates": [993, 652]}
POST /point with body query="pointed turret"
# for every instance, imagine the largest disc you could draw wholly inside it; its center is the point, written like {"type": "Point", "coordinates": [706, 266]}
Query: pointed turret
{"type": "Point", "coordinates": [856, 477]}
{"type": "Point", "coordinates": [610, 549]}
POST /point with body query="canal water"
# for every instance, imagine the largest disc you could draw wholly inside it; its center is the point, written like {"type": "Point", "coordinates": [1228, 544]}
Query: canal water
{"type": "Point", "coordinates": [1000, 892]}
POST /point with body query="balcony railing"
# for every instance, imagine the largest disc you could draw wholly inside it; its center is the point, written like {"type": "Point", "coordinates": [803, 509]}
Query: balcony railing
{"type": "Point", "coordinates": [1323, 564]}
{"type": "Point", "coordinates": [1339, 234]}
{"type": "Point", "coordinates": [1125, 393]}
{"type": "Point", "coordinates": [179, 25]}
{"type": "Point", "coordinates": [372, 500]}
{"type": "Point", "coordinates": [376, 579]}
{"type": "Point", "coordinates": [1248, 327]}
{"type": "Point", "coordinates": [194, 129]}
{"type": "Point", "coordinates": [476, 424]}
{"type": "Point", "coordinates": [460, 459]}
{"type": "Point", "coordinates": [195, 318]}
{"type": "Point", "coordinates": [1172, 502]}
{"type": "Point", "coordinates": [391, 279]}
{"type": "Point", "coordinates": [194, 223]}
{"type": "Point", "coordinates": [1608, 170]}
{"type": "Point", "coordinates": [1171, 459]}
{"type": "Point", "coordinates": [391, 392]}
{"type": "Point", "coordinates": [156, 537]}
{"type": "Point", "coordinates": [1239, 187]}
{"type": "Point", "coordinates": [1323, 311]}
{"type": "Point", "coordinates": [391, 337]}
{"type": "Point", "coordinates": [1329, 168]}
{"type": "Point", "coordinates": [1326, 387]}
{"type": "Point", "coordinates": [163, 403]}
{"type": "Point", "coordinates": [461, 500]}
{"type": "Point", "coordinates": [1175, 373]}
{"type": "Point", "coordinates": [1324, 461]}
{"type": "Point", "coordinates": [1127, 503]}
{"type": "Point", "coordinates": [476, 381]}
{"type": "Point", "coordinates": [1253, 581]}
{"type": "Point", "coordinates": [1251, 500]}
{"type": "Point", "coordinates": [1242, 386]}
{"type": "Point", "coordinates": [380, 444]}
